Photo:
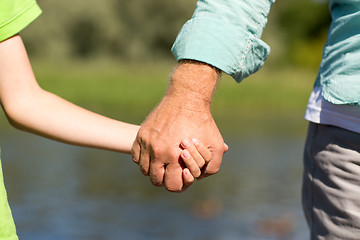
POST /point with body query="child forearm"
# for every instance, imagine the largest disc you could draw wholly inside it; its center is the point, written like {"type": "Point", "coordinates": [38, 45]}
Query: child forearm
{"type": "Point", "coordinates": [48, 115]}
{"type": "Point", "coordinates": [30, 108]}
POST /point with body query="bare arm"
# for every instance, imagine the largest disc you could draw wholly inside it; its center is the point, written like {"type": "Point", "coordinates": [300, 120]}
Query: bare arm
{"type": "Point", "coordinates": [183, 113]}
{"type": "Point", "coordinates": [30, 108]}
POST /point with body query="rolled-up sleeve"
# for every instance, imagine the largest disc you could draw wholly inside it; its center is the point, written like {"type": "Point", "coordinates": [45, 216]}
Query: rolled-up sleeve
{"type": "Point", "coordinates": [226, 34]}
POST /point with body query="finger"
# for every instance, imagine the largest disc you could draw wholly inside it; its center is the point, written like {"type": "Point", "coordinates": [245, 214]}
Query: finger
{"type": "Point", "coordinates": [194, 152]}
{"type": "Point", "coordinates": [190, 163]}
{"type": "Point", "coordinates": [144, 160]}
{"type": "Point", "coordinates": [204, 151]}
{"type": "Point", "coordinates": [135, 152]}
{"type": "Point", "coordinates": [173, 178]}
{"type": "Point", "coordinates": [188, 178]}
{"type": "Point", "coordinates": [213, 166]}
{"type": "Point", "coordinates": [157, 172]}
{"type": "Point", "coordinates": [226, 147]}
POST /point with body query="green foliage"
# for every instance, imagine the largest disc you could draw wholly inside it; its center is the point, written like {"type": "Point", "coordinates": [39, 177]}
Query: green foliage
{"type": "Point", "coordinates": [141, 30]}
{"type": "Point", "coordinates": [303, 19]}
{"type": "Point", "coordinates": [304, 24]}
{"type": "Point", "coordinates": [122, 29]}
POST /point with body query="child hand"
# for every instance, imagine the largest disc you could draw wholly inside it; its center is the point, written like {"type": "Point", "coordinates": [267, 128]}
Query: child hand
{"type": "Point", "coordinates": [195, 155]}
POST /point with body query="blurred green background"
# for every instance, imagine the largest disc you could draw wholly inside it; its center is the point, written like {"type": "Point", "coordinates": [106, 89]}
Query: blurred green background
{"type": "Point", "coordinates": [113, 57]}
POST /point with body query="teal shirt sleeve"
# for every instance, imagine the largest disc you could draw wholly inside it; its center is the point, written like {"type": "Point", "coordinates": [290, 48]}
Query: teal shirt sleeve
{"type": "Point", "coordinates": [226, 34]}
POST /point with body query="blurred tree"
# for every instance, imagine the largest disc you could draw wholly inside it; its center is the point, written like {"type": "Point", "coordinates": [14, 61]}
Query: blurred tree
{"type": "Point", "coordinates": [134, 30]}
{"type": "Point", "coordinates": [305, 25]}
{"type": "Point", "coordinates": [130, 30]}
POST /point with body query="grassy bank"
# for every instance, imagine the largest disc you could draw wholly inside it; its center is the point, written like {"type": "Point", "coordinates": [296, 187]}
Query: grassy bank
{"type": "Point", "coordinates": [271, 101]}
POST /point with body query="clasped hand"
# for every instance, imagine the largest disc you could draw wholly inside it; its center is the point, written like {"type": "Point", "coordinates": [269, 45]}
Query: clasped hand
{"type": "Point", "coordinates": [166, 150]}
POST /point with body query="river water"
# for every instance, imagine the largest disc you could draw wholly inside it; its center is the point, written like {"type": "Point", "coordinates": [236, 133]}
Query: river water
{"type": "Point", "coordinates": [60, 192]}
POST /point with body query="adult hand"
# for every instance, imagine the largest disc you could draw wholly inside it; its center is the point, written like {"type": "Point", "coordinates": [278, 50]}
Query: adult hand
{"type": "Point", "coordinates": [183, 113]}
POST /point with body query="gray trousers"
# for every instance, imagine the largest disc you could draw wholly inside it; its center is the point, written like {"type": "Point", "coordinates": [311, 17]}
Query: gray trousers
{"type": "Point", "coordinates": [331, 182]}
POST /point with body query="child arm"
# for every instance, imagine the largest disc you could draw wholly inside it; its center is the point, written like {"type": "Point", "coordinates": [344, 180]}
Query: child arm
{"type": "Point", "coordinates": [30, 108]}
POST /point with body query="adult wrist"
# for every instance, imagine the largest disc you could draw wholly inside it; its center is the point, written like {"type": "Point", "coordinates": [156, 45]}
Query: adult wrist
{"type": "Point", "coordinates": [194, 81]}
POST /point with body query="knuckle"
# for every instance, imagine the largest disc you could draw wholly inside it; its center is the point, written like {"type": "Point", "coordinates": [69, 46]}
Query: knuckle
{"type": "Point", "coordinates": [174, 154]}
{"type": "Point", "coordinates": [174, 189]}
{"type": "Point", "coordinates": [144, 170]}
{"type": "Point", "coordinates": [135, 154]}
{"type": "Point", "coordinates": [135, 160]}
{"type": "Point", "coordinates": [141, 133]}
{"type": "Point", "coordinates": [156, 182]}
{"type": "Point", "coordinates": [212, 171]}
{"type": "Point", "coordinates": [156, 178]}
{"type": "Point", "coordinates": [158, 150]}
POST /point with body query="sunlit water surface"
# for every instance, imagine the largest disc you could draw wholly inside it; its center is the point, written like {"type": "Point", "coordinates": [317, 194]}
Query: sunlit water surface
{"type": "Point", "coordinates": [60, 192]}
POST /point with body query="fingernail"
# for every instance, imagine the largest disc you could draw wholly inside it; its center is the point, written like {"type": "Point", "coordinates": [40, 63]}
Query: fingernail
{"type": "Point", "coordinates": [195, 141]}
{"type": "Point", "coordinates": [185, 143]}
{"type": "Point", "coordinates": [186, 154]}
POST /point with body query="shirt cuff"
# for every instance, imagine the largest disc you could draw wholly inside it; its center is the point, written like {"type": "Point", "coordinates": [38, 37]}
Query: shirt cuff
{"type": "Point", "coordinates": [222, 45]}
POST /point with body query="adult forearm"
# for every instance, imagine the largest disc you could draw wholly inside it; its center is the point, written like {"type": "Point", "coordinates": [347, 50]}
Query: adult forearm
{"type": "Point", "coordinates": [193, 83]}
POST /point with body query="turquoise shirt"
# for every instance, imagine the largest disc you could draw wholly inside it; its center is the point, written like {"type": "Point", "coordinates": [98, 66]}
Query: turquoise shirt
{"type": "Point", "coordinates": [339, 74]}
{"type": "Point", "coordinates": [226, 34]}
